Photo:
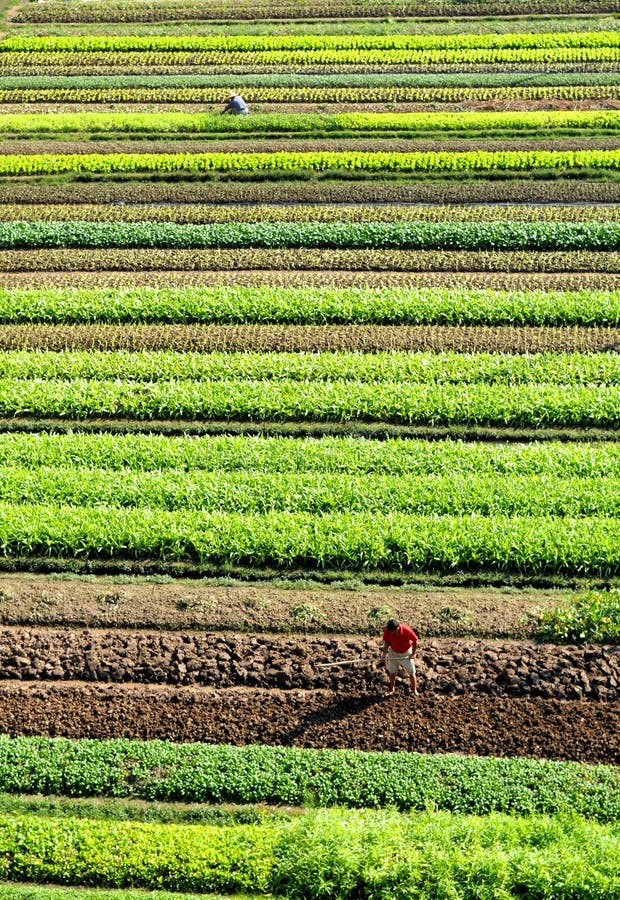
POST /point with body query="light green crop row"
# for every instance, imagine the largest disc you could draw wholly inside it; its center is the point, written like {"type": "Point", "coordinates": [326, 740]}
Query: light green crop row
{"type": "Point", "coordinates": [355, 42]}
{"type": "Point", "coordinates": [330, 455]}
{"type": "Point", "coordinates": [200, 773]}
{"type": "Point", "coordinates": [318, 493]}
{"type": "Point", "coordinates": [447, 368]}
{"type": "Point", "coordinates": [539, 236]}
{"type": "Point", "coordinates": [320, 161]}
{"type": "Point", "coordinates": [307, 305]}
{"type": "Point", "coordinates": [357, 854]}
{"type": "Point", "coordinates": [408, 403]}
{"type": "Point", "coordinates": [391, 542]}
{"type": "Point", "coordinates": [296, 123]}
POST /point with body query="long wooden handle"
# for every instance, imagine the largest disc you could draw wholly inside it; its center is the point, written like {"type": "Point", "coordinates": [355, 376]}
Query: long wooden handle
{"type": "Point", "coordinates": [345, 662]}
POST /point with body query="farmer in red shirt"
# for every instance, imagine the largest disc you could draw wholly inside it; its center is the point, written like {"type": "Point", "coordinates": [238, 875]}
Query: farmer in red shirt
{"type": "Point", "coordinates": [400, 644]}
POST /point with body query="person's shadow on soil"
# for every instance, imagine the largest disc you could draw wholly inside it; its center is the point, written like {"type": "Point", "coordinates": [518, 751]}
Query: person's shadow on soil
{"type": "Point", "coordinates": [338, 711]}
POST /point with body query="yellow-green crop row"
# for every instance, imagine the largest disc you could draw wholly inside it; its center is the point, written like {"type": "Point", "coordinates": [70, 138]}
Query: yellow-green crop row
{"type": "Point", "coordinates": [368, 368]}
{"type": "Point", "coordinates": [306, 305]}
{"type": "Point", "coordinates": [527, 405]}
{"type": "Point", "coordinates": [296, 93]}
{"type": "Point", "coordinates": [93, 122]}
{"type": "Point", "coordinates": [317, 493]}
{"type": "Point", "coordinates": [331, 455]}
{"type": "Point", "coordinates": [324, 161]}
{"type": "Point", "coordinates": [355, 42]}
{"type": "Point", "coordinates": [128, 61]}
{"type": "Point", "coordinates": [381, 853]}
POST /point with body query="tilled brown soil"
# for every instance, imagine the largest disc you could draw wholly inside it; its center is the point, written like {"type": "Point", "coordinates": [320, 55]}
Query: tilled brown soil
{"type": "Point", "coordinates": [224, 660]}
{"type": "Point", "coordinates": [472, 724]}
{"type": "Point", "coordinates": [278, 338]}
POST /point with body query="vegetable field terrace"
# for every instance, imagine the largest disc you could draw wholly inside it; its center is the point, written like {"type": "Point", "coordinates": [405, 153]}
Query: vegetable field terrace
{"type": "Point", "coordinates": [270, 380]}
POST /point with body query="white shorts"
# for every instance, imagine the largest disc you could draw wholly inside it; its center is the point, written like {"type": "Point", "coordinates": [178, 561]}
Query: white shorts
{"type": "Point", "coordinates": [394, 660]}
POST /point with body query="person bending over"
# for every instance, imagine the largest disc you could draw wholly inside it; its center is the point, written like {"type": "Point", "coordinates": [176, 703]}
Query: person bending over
{"type": "Point", "coordinates": [400, 644]}
{"type": "Point", "coordinates": [236, 105]}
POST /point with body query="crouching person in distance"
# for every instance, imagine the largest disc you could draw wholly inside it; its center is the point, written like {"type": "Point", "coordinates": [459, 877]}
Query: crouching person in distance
{"type": "Point", "coordinates": [400, 644]}
{"type": "Point", "coordinates": [236, 105]}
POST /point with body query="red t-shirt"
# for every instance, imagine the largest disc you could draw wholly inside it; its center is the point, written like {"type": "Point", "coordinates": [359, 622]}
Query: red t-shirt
{"type": "Point", "coordinates": [401, 639]}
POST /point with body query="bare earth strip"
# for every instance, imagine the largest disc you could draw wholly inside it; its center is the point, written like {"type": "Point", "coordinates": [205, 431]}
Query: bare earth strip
{"type": "Point", "coordinates": [308, 338]}
{"type": "Point", "coordinates": [190, 605]}
{"type": "Point", "coordinates": [497, 726]}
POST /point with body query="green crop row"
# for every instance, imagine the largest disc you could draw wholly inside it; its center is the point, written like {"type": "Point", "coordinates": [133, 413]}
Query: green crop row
{"type": "Point", "coordinates": [540, 236]}
{"type": "Point", "coordinates": [390, 542]}
{"type": "Point", "coordinates": [296, 123]}
{"type": "Point", "coordinates": [354, 855]}
{"type": "Point", "coordinates": [210, 213]}
{"type": "Point", "coordinates": [394, 367]}
{"type": "Point", "coordinates": [304, 93]}
{"type": "Point", "coordinates": [329, 456]}
{"type": "Point", "coordinates": [322, 161]}
{"type": "Point", "coordinates": [594, 616]}
{"type": "Point", "coordinates": [77, 43]}
{"type": "Point", "coordinates": [522, 405]}
{"type": "Point", "coordinates": [199, 773]}
{"type": "Point", "coordinates": [317, 493]}
{"type": "Point", "coordinates": [306, 305]}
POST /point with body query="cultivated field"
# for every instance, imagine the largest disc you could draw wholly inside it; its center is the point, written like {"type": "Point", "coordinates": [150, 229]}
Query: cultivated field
{"type": "Point", "coordinates": [267, 381]}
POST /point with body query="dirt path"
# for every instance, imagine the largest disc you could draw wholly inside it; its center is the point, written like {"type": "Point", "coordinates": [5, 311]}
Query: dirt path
{"type": "Point", "coordinates": [202, 605]}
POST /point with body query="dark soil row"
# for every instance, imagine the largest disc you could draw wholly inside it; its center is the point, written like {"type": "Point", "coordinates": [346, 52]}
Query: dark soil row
{"type": "Point", "coordinates": [481, 725]}
{"type": "Point", "coordinates": [309, 338]}
{"type": "Point", "coordinates": [268, 661]}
